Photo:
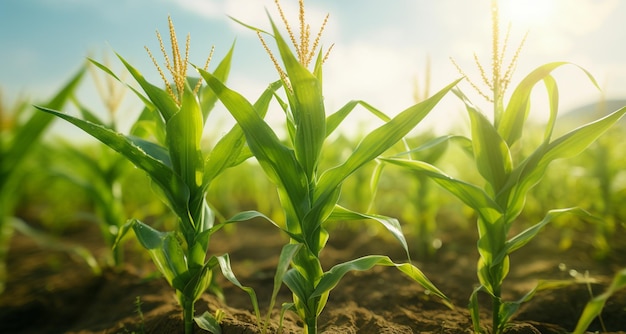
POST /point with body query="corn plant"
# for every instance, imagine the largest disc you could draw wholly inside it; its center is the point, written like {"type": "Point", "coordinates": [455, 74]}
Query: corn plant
{"type": "Point", "coordinates": [99, 173]}
{"type": "Point", "coordinates": [506, 182]}
{"type": "Point", "coordinates": [181, 172]}
{"type": "Point", "coordinates": [19, 133]}
{"type": "Point", "coordinates": [595, 306]}
{"type": "Point", "coordinates": [309, 197]}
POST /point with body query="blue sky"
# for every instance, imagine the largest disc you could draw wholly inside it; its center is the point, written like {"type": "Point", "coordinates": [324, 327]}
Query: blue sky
{"type": "Point", "coordinates": [380, 47]}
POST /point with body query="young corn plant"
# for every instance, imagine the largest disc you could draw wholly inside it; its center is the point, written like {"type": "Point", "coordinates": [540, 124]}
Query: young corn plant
{"type": "Point", "coordinates": [19, 132]}
{"type": "Point", "coordinates": [181, 173]}
{"type": "Point", "coordinates": [594, 307]}
{"type": "Point", "coordinates": [506, 182]}
{"type": "Point", "coordinates": [309, 197]}
{"type": "Point", "coordinates": [99, 175]}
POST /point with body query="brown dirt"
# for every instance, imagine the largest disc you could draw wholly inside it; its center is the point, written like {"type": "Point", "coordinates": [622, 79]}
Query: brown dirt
{"type": "Point", "coordinates": [50, 292]}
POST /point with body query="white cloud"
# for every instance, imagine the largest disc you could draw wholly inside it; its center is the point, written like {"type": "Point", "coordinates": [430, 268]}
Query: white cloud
{"type": "Point", "coordinates": [209, 9]}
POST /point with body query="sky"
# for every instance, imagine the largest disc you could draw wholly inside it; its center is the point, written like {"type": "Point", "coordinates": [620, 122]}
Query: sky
{"type": "Point", "coordinates": [382, 49]}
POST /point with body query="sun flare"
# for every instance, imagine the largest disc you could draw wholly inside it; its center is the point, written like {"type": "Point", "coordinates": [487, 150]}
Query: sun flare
{"type": "Point", "coordinates": [528, 13]}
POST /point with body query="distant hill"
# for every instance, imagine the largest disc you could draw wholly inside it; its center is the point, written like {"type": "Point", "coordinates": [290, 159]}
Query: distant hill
{"type": "Point", "coordinates": [591, 112]}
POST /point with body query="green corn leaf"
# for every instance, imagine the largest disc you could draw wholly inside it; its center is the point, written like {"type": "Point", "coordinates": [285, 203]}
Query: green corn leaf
{"type": "Point", "coordinates": [74, 154]}
{"type": "Point", "coordinates": [469, 194]}
{"type": "Point", "coordinates": [286, 254]}
{"type": "Point", "coordinates": [150, 107]}
{"type": "Point", "coordinates": [553, 97]}
{"type": "Point", "coordinates": [391, 224]}
{"type": "Point", "coordinates": [154, 150]}
{"type": "Point", "coordinates": [149, 124]}
{"type": "Point", "coordinates": [516, 113]}
{"type": "Point", "coordinates": [165, 251]}
{"type": "Point", "coordinates": [508, 309]}
{"type": "Point", "coordinates": [121, 233]}
{"type": "Point", "coordinates": [228, 273]}
{"type": "Point", "coordinates": [199, 281]}
{"type": "Point", "coordinates": [377, 142]}
{"type": "Point", "coordinates": [532, 169]}
{"type": "Point", "coordinates": [307, 108]}
{"type": "Point", "coordinates": [48, 241]}
{"type": "Point", "coordinates": [595, 306]}
{"type": "Point", "coordinates": [208, 322]}
{"type": "Point", "coordinates": [229, 150]}
{"type": "Point", "coordinates": [474, 308]}
{"type": "Point", "coordinates": [183, 135]}
{"type": "Point", "coordinates": [333, 121]}
{"type": "Point", "coordinates": [240, 217]}
{"type": "Point", "coordinates": [491, 275]}
{"type": "Point", "coordinates": [221, 72]}
{"type": "Point", "coordinates": [527, 235]}
{"type": "Point", "coordinates": [299, 286]}
{"type": "Point", "coordinates": [249, 26]}
{"type": "Point", "coordinates": [88, 115]}
{"type": "Point", "coordinates": [169, 182]}
{"type": "Point", "coordinates": [491, 152]}
{"type": "Point", "coordinates": [577, 140]}
{"type": "Point", "coordinates": [104, 68]}
{"type": "Point", "coordinates": [158, 97]}
{"type": "Point", "coordinates": [331, 278]}
{"type": "Point", "coordinates": [289, 118]}
{"type": "Point", "coordinates": [433, 149]}
{"type": "Point", "coordinates": [374, 182]}
{"type": "Point", "coordinates": [28, 133]}
{"type": "Point", "coordinates": [278, 161]}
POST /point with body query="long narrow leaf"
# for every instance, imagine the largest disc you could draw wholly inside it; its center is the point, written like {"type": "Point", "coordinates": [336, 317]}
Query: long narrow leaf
{"type": "Point", "coordinates": [48, 241]}
{"type": "Point", "coordinates": [208, 322]}
{"type": "Point", "coordinates": [391, 224]}
{"type": "Point", "coordinates": [377, 142]}
{"type": "Point", "coordinates": [516, 113]}
{"type": "Point", "coordinates": [553, 96]}
{"type": "Point", "coordinates": [227, 271]}
{"type": "Point", "coordinates": [170, 183]}
{"type": "Point", "coordinates": [229, 150]}
{"type": "Point", "coordinates": [286, 254]}
{"type": "Point", "coordinates": [527, 235]}
{"type": "Point", "coordinates": [508, 309]}
{"type": "Point", "coordinates": [221, 72]}
{"type": "Point", "coordinates": [165, 251]}
{"type": "Point", "coordinates": [332, 277]}
{"type": "Point", "coordinates": [595, 306]}
{"type": "Point", "coordinates": [184, 131]}
{"type": "Point", "coordinates": [333, 121]}
{"type": "Point", "coordinates": [308, 108]}
{"type": "Point", "coordinates": [159, 97]}
{"type": "Point", "coordinates": [532, 169]}
{"type": "Point", "coordinates": [31, 131]}
{"type": "Point", "coordinates": [469, 194]}
{"type": "Point", "coordinates": [278, 161]}
{"type": "Point", "coordinates": [491, 152]}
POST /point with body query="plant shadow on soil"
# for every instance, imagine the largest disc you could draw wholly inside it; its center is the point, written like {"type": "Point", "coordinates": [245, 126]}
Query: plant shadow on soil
{"type": "Point", "coordinates": [51, 292]}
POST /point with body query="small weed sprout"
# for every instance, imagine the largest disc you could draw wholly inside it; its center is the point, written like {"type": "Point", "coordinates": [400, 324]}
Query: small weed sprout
{"type": "Point", "coordinates": [138, 303]}
{"type": "Point", "coordinates": [594, 307]}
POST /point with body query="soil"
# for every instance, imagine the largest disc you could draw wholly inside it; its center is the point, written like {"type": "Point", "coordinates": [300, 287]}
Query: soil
{"type": "Point", "coordinates": [51, 292]}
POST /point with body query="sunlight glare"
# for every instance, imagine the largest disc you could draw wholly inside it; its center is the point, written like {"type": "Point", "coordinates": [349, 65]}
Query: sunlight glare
{"type": "Point", "coordinates": [528, 13]}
